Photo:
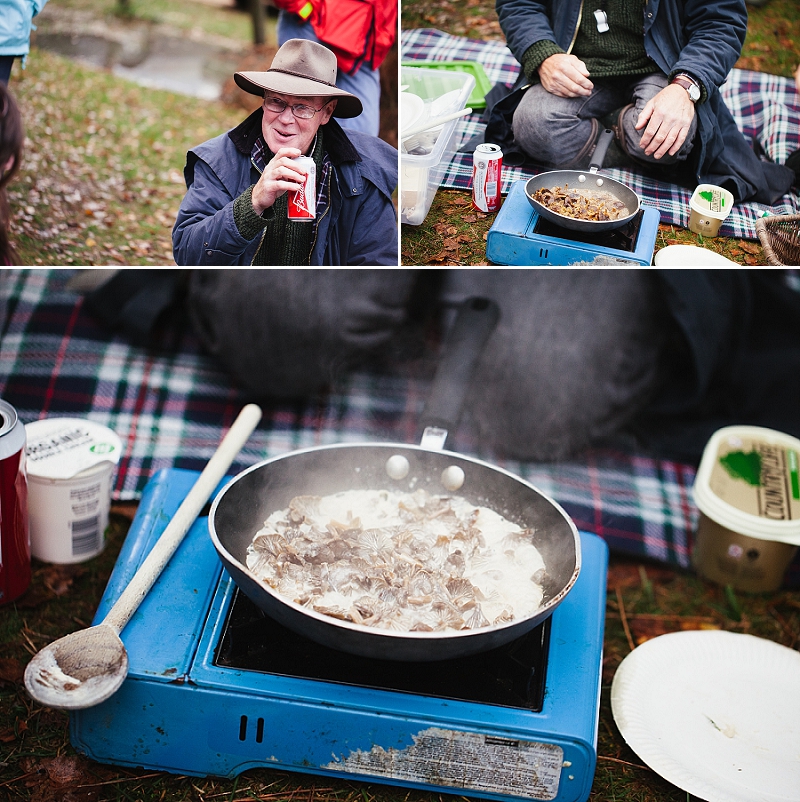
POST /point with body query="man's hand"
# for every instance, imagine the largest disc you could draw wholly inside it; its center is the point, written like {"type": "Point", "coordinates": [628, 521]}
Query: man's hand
{"type": "Point", "coordinates": [565, 75]}
{"type": "Point", "coordinates": [666, 119]}
{"type": "Point", "coordinates": [280, 175]}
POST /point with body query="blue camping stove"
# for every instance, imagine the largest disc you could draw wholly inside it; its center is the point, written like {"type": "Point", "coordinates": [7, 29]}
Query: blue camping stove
{"type": "Point", "coordinates": [520, 236]}
{"type": "Point", "coordinates": [216, 688]}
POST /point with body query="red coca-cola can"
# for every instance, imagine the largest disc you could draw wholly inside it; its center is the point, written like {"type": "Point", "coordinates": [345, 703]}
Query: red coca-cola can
{"type": "Point", "coordinates": [15, 543]}
{"type": "Point", "coordinates": [303, 203]}
{"type": "Point", "coordinates": [487, 167]}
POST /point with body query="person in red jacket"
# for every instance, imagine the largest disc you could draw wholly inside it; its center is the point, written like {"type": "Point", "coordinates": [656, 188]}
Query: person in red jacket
{"type": "Point", "coordinates": [359, 32]}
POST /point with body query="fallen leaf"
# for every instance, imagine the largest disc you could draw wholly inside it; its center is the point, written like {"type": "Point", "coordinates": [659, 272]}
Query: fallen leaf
{"type": "Point", "coordinates": [644, 628]}
{"type": "Point", "coordinates": [11, 670]}
{"type": "Point", "coordinates": [750, 247]}
{"type": "Point", "coordinates": [59, 578]}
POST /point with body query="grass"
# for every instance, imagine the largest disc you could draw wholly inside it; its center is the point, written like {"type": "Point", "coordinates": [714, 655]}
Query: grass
{"type": "Point", "coordinates": [102, 174]}
{"type": "Point", "coordinates": [215, 20]}
{"type": "Point", "coordinates": [453, 234]}
{"type": "Point", "coordinates": [38, 763]}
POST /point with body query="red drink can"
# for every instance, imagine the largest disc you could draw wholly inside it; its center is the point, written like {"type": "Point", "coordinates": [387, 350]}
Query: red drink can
{"type": "Point", "coordinates": [487, 167]}
{"type": "Point", "coordinates": [303, 203]}
{"type": "Point", "coordinates": [15, 543]}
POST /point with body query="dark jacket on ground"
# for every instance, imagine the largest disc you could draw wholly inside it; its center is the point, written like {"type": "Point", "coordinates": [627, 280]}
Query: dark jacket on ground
{"type": "Point", "coordinates": [701, 37]}
{"type": "Point", "coordinates": [358, 228]}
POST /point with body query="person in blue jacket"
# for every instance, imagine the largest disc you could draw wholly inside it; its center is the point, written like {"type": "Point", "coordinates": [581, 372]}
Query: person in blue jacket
{"type": "Point", "coordinates": [16, 21]}
{"type": "Point", "coordinates": [648, 69]}
{"type": "Point", "coordinates": [235, 208]}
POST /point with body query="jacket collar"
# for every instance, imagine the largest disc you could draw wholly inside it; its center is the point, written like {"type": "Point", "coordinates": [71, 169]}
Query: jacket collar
{"type": "Point", "coordinates": [339, 148]}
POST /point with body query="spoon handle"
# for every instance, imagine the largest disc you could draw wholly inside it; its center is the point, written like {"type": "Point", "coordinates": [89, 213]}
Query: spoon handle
{"type": "Point", "coordinates": [216, 468]}
{"type": "Point", "coordinates": [418, 129]}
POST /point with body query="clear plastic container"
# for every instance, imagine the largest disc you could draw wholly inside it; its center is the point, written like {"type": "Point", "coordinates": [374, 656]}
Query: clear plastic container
{"type": "Point", "coordinates": [747, 490]}
{"type": "Point", "coordinates": [422, 169]}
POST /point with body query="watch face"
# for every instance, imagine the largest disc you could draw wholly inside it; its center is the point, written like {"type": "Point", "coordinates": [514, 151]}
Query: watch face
{"type": "Point", "coordinates": [694, 94]}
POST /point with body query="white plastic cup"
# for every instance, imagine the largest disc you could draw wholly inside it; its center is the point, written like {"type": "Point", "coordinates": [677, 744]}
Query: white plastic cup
{"type": "Point", "coordinates": [70, 465]}
{"type": "Point", "coordinates": [710, 205]}
{"type": "Point", "coordinates": [747, 490]}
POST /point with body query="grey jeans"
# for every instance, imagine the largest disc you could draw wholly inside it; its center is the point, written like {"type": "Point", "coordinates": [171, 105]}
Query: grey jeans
{"type": "Point", "coordinates": [560, 131]}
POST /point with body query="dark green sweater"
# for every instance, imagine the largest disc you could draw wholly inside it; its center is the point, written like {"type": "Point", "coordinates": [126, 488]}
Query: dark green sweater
{"type": "Point", "coordinates": [283, 241]}
{"type": "Point", "coordinates": [616, 53]}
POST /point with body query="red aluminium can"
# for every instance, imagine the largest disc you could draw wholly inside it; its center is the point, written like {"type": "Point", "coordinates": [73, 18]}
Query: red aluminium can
{"type": "Point", "coordinates": [487, 169]}
{"type": "Point", "coordinates": [303, 203]}
{"type": "Point", "coordinates": [15, 543]}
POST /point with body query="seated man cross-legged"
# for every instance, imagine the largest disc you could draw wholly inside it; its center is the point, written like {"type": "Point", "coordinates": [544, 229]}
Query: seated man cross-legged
{"type": "Point", "coordinates": [648, 70]}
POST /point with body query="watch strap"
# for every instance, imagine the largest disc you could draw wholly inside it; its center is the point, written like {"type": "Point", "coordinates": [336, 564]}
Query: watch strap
{"type": "Point", "coordinates": [689, 84]}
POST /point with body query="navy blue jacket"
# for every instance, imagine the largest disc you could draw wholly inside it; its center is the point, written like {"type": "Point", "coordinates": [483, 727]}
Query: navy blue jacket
{"type": "Point", "coordinates": [359, 227]}
{"type": "Point", "coordinates": [701, 37]}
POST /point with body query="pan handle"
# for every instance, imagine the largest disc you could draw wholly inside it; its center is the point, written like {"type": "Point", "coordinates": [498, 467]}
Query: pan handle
{"type": "Point", "coordinates": [600, 149]}
{"type": "Point", "coordinates": [475, 321]}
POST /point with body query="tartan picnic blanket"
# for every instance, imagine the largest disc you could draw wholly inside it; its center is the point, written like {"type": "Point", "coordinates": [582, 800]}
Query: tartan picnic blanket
{"type": "Point", "coordinates": [170, 407]}
{"type": "Point", "coordinates": [766, 108]}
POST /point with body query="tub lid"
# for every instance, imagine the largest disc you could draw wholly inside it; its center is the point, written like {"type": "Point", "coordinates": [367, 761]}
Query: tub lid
{"type": "Point", "coordinates": [748, 482]}
{"type": "Point", "coordinates": [60, 448]}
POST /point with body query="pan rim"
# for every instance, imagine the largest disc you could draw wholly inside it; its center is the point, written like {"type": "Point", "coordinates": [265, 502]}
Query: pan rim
{"type": "Point", "coordinates": [373, 632]}
{"type": "Point", "coordinates": [573, 220]}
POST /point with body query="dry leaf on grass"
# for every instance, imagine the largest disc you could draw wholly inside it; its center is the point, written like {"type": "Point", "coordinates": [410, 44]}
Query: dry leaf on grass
{"type": "Point", "coordinates": [644, 627]}
{"type": "Point", "coordinates": [11, 670]}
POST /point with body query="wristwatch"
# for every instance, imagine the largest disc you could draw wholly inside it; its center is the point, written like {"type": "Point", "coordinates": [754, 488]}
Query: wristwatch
{"type": "Point", "coordinates": [689, 84]}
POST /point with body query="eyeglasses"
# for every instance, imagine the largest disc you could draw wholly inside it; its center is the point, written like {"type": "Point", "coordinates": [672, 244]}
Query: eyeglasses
{"type": "Point", "coordinates": [301, 111]}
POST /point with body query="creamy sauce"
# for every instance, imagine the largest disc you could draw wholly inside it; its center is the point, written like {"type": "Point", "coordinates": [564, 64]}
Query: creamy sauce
{"type": "Point", "coordinates": [403, 561]}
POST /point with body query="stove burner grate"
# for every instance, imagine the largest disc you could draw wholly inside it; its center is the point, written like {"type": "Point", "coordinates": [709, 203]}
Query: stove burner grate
{"type": "Point", "coordinates": [621, 239]}
{"type": "Point", "coordinates": [511, 676]}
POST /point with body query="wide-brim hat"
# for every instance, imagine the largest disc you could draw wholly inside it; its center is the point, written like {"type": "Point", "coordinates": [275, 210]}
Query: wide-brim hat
{"type": "Point", "coordinates": [305, 69]}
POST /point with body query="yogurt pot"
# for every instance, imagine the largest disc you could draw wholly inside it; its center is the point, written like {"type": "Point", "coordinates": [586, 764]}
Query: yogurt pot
{"type": "Point", "coordinates": [748, 493]}
{"type": "Point", "coordinates": [709, 206]}
{"type": "Point", "coordinates": [70, 464]}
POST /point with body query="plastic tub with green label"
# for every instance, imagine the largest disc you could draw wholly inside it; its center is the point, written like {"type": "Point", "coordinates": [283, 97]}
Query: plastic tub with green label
{"type": "Point", "coordinates": [747, 490]}
{"type": "Point", "coordinates": [710, 205]}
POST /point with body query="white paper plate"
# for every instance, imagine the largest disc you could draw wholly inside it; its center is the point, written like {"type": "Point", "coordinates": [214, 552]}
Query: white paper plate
{"type": "Point", "coordinates": [689, 256]}
{"type": "Point", "coordinates": [715, 713]}
{"type": "Point", "coordinates": [412, 108]}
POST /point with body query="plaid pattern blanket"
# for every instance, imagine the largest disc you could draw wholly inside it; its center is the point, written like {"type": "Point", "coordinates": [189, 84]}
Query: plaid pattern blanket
{"type": "Point", "coordinates": [171, 406]}
{"type": "Point", "coordinates": [765, 107]}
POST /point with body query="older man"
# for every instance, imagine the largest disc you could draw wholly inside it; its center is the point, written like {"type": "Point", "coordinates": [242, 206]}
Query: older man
{"type": "Point", "coordinates": [235, 208]}
{"type": "Point", "coordinates": [650, 69]}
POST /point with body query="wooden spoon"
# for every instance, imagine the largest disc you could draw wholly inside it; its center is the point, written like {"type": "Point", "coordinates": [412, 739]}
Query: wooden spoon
{"type": "Point", "coordinates": [85, 667]}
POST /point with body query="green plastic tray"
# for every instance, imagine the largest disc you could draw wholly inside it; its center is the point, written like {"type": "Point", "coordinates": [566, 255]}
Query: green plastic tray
{"type": "Point", "coordinates": [477, 100]}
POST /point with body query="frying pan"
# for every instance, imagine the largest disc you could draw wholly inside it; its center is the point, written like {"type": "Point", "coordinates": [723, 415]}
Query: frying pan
{"type": "Point", "coordinates": [242, 506]}
{"type": "Point", "coordinates": [582, 180]}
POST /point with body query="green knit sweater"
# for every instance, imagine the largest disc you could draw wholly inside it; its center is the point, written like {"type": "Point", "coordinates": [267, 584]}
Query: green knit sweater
{"type": "Point", "coordinates": [283, 241]}
{"type": "Point", "coordinates": [616, 53]}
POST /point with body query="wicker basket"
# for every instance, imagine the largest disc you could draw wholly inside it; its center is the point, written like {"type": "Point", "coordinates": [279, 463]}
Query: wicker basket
{"type": "Point", "coordinates": [780, 238]}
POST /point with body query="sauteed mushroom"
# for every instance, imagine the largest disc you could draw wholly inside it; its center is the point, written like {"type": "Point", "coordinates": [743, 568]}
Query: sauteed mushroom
{"type": "Point", "coordinates": [582, 204]}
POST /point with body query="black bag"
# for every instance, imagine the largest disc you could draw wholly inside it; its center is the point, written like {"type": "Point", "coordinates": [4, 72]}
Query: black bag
{"type": "Point", "coordinates": [501, 103]}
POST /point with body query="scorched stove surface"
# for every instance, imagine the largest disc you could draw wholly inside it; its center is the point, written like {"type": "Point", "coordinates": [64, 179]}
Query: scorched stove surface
{"type": "Point", "coordinates": [216, 688]}
{"type": "Point", "coordinates": [520, 236]}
